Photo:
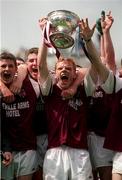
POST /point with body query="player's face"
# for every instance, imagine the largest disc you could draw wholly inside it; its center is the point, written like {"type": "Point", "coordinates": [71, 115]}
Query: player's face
{"type": "Point", "coordinates": [7, 71]}
{"type": "Point", "coordinates": [19, 62]}
{"type": "Point", "coordinates": [65, 74]}
{"type": "Point", "coordinates": [32, 65]}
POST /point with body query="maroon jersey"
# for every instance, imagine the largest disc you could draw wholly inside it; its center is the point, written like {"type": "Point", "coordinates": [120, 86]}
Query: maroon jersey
{"type": "Point", "coordinates": [18, 118]}
{"type": "Point", "coordinates": [99, 111]}
{"type": "Point", "coordinates": [113, 138]}
{"type": "Point", "coordinates": [66, 119]}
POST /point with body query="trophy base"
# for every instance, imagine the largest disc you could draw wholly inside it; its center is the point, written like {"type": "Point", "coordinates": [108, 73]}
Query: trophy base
{"type": "Point", "coordinates": [61, 40]}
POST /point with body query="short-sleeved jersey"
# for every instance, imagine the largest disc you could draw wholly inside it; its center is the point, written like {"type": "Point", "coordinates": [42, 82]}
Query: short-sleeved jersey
{"type": "Point", "coordinates": [18, 115]}
{"type": "Point", "coordinates": [66, 119]}
{"type": "Point", "coordinates": [113, 138]}
{"type": "Point", "coordinates": [99, 111]}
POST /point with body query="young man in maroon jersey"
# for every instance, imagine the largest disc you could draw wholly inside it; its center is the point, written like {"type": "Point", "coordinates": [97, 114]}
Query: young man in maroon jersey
{"type": "Point", "coordinates": [18, 116]}
{"type": "Point", "coordinates": [99, 106]}
{"type": "Point", "coordinates": [113, 139]}
{"type": "Point", "coordinates": [113, 135]}
{"type": "Point", "coordinates": [67, 156]}
{"type": "Point", "coordinates": [39, 127]}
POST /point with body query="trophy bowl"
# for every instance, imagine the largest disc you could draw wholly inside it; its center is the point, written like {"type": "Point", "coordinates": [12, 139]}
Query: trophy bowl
{"type": "Point", "coordinates": [64, 24]}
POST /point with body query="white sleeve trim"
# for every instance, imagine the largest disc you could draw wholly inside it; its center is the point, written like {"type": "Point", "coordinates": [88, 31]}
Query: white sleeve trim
{"type": "Point", "coordinates": [89, 85]}
{"type": "Point", "coordinates": [109, 84]}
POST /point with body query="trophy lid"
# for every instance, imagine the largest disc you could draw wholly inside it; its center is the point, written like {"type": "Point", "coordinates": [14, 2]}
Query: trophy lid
{"type": "Point", "coordinates": [63, 20]}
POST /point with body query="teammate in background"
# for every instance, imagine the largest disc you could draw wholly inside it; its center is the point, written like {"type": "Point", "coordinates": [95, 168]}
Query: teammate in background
{"type": "Point", "coordinates": [106, 44]}
{"type": "Point", "coordinates": [19, 60]}
{"type": "Point", "coordinates": [18, 116]}
{"type": "Point", "coordinates": [113, 137]}
{"type": "Point", "coordinates": [39, 127]}
{"type": "Point", "coordinates": [113, 140]}
{"type": "Point", "coordinates": [101, 158]}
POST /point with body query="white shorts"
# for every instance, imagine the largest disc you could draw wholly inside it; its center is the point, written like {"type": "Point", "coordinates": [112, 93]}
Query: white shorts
{"type": "Point", "coordinates": [117, 163]}
{"type": "Point", "coordinates": [99, 156]}
{"type": "Point", "coordinates": [24, 163]}
{"type": "Point", "coordinates": [42, 142]}
{"type": "Point", "coordinates": [64, 163]}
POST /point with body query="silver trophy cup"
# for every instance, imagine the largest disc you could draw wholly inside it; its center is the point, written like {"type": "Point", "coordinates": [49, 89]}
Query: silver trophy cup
{"type": "Point", "coordinates": [64, 24]}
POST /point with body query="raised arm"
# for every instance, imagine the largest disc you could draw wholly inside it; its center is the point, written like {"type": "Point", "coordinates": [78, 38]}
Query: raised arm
{"type": "Point", "coordinates": [107, 49]}
{"type": "Point", "coordinates": [42, 63]}
{"type": "Point", "coordinates": [87, 33]}
{"type": "Point", "coordinates": [43, 72]}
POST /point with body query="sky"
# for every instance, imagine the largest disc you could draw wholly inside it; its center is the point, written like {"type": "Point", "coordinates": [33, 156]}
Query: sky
{"type": "Point", "coordinates": [19, 20]}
